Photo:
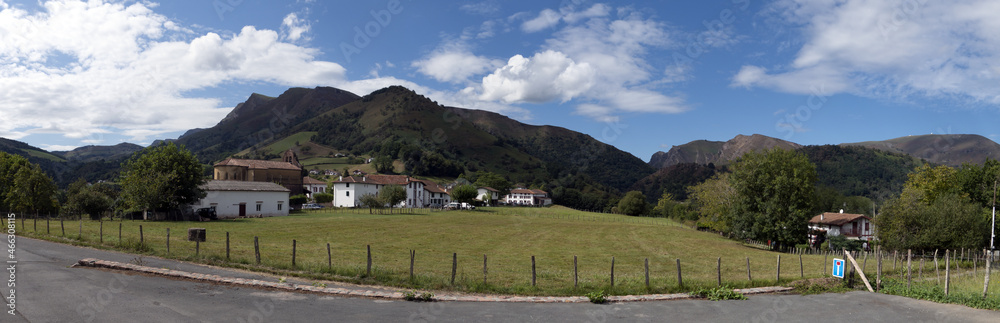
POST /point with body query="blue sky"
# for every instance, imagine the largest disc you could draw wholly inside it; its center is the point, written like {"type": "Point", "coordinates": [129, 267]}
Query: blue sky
{"type": "Point", "coordinates": [641, 75]}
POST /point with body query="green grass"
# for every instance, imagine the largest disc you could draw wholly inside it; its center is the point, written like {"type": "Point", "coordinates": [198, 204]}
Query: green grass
{"type": "Point", "coordinates": [41, 154]}
{"type": "Point", "coordinates": [289, 142]}
{"type": "Point", "coordinates": [509, 237]}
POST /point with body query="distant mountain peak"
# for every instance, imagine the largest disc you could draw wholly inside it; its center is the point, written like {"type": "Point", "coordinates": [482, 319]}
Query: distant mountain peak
{"type": "Point", "coordinates": [717, 152]}
{"type": "Point", "coordinates": [949, 149]}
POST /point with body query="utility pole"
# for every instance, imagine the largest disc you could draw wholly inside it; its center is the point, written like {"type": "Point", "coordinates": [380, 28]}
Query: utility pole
{"type": "Point", "coordinates": [993, 226]}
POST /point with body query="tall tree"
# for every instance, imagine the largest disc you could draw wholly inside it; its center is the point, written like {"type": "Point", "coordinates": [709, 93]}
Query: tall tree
{"type": "Point", "coordinates": [88, 199]}
{"type": "Point", "coordinates": [464, 194]}
{"type": "Point", "coordinates": [774, 195]}
{"type": "Point", "coordinates": [32, 191]}
{"type": "Point", "coordinates": [371, 201]}
{"type": "Point", "coordinates": [163, 177]}
{"type": "Point", "coordinates": [714, 201]}
{"type": "Point", "coordinates": [392, 195]}
{"type": "Point", "coordinates": [634, 204]}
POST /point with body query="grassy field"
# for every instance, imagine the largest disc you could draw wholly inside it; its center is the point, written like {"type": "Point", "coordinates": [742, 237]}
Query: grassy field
{"type": "Point", "coordinates": [509, 237]}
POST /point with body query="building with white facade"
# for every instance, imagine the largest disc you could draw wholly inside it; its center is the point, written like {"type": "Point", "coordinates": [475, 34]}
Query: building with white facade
{"type": "Point", "coordinates": [313, 186]}
{"type": "Point", "coordinates": [347, 191]}
{"type": "Point", "coordinates": [528, 197]}
{"type": "Point", "coordinates": [483, 192]}
{"type": "Point", "coordinates": [852, 226]}
{"type": "Point", "coordinates": [233, 199]}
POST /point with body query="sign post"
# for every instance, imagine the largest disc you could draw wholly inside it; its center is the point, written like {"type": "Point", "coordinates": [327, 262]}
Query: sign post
{"type": "Point", "coordinates": [838, 268]}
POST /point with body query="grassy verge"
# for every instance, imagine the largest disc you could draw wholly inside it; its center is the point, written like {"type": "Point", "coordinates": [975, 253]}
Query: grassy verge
{"type": "Point", "coordinates": [508, 237]}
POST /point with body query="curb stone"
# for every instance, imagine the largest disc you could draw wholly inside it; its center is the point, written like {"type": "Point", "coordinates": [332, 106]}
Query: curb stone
{"type": "Point", "coordinates": [97, 263]}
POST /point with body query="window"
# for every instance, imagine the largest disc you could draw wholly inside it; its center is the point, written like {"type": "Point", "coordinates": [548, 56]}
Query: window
{"type": "Point", "coordinates": [348, 184]}
{"type": "Point", "coordinates": [279, 206]}
{"type": "Point", "coordinates": [866, 226]}
{"type": "Point", "coordinates": [258, 206]}
{"type": "Point", "coordinates": [348, 193]}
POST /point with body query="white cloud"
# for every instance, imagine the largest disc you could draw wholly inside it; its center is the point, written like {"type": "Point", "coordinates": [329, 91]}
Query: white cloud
{"type": "Point", "coordinates": [454, 62]}
{"type": "Point", "coordinates": [544, 77]}
{"type": "Point", "coordinates": [890, 49]}
{"type": "Point", "coordinates": [481, 8]}
{"type": "Point", "coordinates": [80, 69]}
{"type": "Point", "coordinates": [549, 18]}
{"type": "Point", "coordinates": [58, 147]}
{"type": "Point", "coordinates": [295, 28]}
{"type": "Point", "coordinates": [599, 62]}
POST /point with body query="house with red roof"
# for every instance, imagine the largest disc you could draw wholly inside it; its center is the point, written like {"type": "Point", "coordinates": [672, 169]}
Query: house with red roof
{"type": "Point", "coordinates": [852, 226]}
{"type": "Point", "coordinates": [527, 197]}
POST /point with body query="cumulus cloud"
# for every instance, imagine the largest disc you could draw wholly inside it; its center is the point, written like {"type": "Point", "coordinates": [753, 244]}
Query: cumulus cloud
{"type": "Point", "coordinates": [596, 60]}
{"type": "Point", "coordinates": [454, 62]}
{"type": "Point", "coordinates": [889, 49]}
{"type": "Point", "coordinates": [549, 18]}
{"type": "Point", "coordinates": [481, 8]}
{"type": "Point", "coordinates": [81, 69]}
{"type": "Point", "coordinates": [295, 28]}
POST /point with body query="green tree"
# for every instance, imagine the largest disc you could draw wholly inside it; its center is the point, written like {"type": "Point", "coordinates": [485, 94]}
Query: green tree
{"type": "Point", "coordinates": [30, 190]}
{"type": "Point", "coordinates": [634, 204]}
{"type": "Point", "coordinates": [371, 202]}
{"type": "Point", "coordinates": [774, 196]}
{"type": "Point", "coordinates": [464, 194]}
{"type": "Point", "coordinates": [163, 177]}
{"type": "Point", "coordinates": [488, 198]}
{"type": "Point", "coordinates": [392, 195]}
{"type": "Point", "coordinates": [713, 201]}
{"type": "Point", "coordinates": [88, 199]}
{"type": "Point", "coordinates": [494, 181]}
{"type": "Point", "coordinates": [323, 197]}
{"type": "Point", "coordinates": [383, 164]}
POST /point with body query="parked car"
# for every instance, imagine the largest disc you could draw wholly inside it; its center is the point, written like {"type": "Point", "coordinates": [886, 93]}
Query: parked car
{"type": "Point", "coordinates": [453, 206]}
{"type": "Point", "coordinates": [467, 206]}
{"type": "Point", "coordinates": [312, 206]}
{"type": "Point", "coordinates": [207, 213]}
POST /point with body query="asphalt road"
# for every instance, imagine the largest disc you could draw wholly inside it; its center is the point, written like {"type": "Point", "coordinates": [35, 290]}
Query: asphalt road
{"type": "Point", "coordinates": [49, 290]}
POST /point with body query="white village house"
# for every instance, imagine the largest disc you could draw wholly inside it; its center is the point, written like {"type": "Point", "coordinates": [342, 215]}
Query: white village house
{"type": "Point", "coordinates": [528, 197]}
{"type": "Point", "coordinates": [852, 226]}
{"type": "Point", "coordinates": [233, 199]}
{"type": "Point", "coordinates": [313, 186]}
{"type": "Point", "coordinates": [482, 192]}
{"type": "Point", "coordinates": [347, 191]}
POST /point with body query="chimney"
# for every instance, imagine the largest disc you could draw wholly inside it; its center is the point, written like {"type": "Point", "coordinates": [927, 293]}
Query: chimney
{"type": "Point", "coordinates": [341, 178]}
{"type": "Point", "coordinates": [841, 211]}
{"type": "Point", "coordinates": [821, 216]}
{"type": "Point", "coordinates": [364, 178]}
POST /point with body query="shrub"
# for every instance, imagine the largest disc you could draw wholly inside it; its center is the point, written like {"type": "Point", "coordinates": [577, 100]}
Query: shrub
{"type": "Point", "coordinates": [718, 294]}
{"type": "Point", "coordinates": [597, 297]}
{"type": "Point", "coordinates": [323, 198]}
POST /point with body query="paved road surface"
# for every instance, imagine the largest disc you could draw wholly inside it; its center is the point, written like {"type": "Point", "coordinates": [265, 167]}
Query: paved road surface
{"type": "Point", "coordinates": [48, 290]}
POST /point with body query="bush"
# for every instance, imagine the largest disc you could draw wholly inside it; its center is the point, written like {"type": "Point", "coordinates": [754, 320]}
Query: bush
{"type": "Point", "coordinates": [718, 294]}
{"type": "Point", "coordinates": [597, 297]}
{"type": "Point", "coordinates": [298, 200]}
{"type": "Point", "coordinates": [323, 198]}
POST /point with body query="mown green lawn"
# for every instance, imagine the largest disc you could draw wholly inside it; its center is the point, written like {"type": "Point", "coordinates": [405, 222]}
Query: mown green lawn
{"type": "Point", "coordinates": [508, 237]}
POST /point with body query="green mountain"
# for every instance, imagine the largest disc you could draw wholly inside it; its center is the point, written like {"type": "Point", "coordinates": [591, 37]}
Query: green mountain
{"type": "Point", "coordinates": [96, 153]}
{"type": "Point", "coordinates": [861, 171]}
{"type": "Point", "coordinates": [63, 170]}
{"type": "Point", "coordinates": [716, 152]}
{"type": "Point", "coordinates": [952, 150]}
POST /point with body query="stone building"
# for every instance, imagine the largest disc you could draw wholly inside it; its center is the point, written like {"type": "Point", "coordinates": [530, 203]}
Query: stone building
{"type": "Point", "coordinates": [287, 173]}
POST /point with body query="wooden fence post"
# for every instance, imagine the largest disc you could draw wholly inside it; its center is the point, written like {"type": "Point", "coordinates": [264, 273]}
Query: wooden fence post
{"type": "Point", "coordinates": [197, 248]}
{"type": "Point", "coordinates": [947, 271]}
{"type": "Point", "coordinates": [141, 238]}
{"type": "Point", "coordinates": [647, 273]}
{"type": "Point", "coordinates": [680, 282]}
{"type": "Point", "coordinates": [80, 232]}
{"type": "Point", "coordinates": [826, 255]}
{"type": "Point", "coordinates": [168, 241]}
{"type": "Point", "coordinates": [294, 243]}
{"type": "Point", "coordinates": [370, 262]}
{"type": "Point", "coordinates": [986, 284]}
{"type": "Point", "coordinates": [909, 268]}
{"type": "Point", "coordinates": [612, 271]}
{"type": "Point", "coordinates": [576, 274]}
{"type": "Point", "coordinates": [533, 271]}
{"type": "Point", "coordinates": [101, 231]}
{"type": "Point", "coordinates": [864, 265]}
{"type": "Point", "coordinates": [484, 270]}
{"type": "Point", "coordinates": [47, 226]}
{"type": "Point", "coordinates": [61, 225]}
{"type": "Point", "coordinates": [718, 271]}
{"type": "Point", "coordinates": [256, 249]}
{"type": "Point", "coordinates": [749, 278]}
{"type": "Point", "coordinates": [778, 275]}
{"type": "Point", "coordinates": [227, 245]}
{"type": "Point", "coordinates": [937, 270]}
{"type": "Point", "coordinates": [329, 258]}
{"type": "Point", "coordinates": [119, 233]}
{"type": "Point", "coordinates": [895, 255]}
{"type": "Point", "coordinates": [413, 255]}
{"type": "Point", "coordinates": [878, 271]}
{"type": "Point", "coordinates": [802, 271]}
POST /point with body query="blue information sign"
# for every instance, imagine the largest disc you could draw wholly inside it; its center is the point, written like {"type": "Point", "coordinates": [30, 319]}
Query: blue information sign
{"type": "Point", "coordinates": [838, 268]}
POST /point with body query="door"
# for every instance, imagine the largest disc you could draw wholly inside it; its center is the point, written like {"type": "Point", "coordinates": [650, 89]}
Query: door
{"type": "Point", "coordinates": [243, 210]}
